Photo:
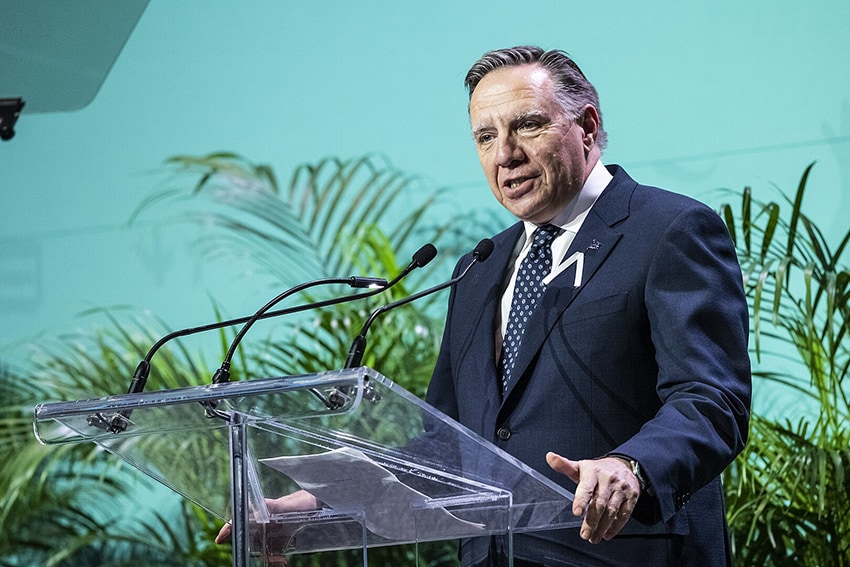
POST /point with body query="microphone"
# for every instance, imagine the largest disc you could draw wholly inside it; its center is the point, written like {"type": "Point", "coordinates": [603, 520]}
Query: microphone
{"type": "Point", "coordinates": [355, 354]}
{"type": "Point", "coordinates": [223, 373]}
{"type": "Point", "coordinates": [119, 421]}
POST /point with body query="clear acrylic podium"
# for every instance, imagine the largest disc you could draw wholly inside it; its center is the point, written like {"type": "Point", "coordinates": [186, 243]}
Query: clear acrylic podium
{"type": "Point", "coordinates": [385, 467]}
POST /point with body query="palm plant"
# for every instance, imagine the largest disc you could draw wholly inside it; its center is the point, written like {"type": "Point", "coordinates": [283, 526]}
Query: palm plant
{"type": "Point", "coordinates": [334, 217]}
{"type": "Point", "coordinates": [789, 492]}
{"type": "Point", "coordinates": [72, 505]}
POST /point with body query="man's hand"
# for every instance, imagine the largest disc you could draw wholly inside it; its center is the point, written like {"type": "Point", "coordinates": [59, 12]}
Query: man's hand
{"type": "Point", "coordinates": [607, 489]}
{"type": "Point", "coordinates": [295, 502]}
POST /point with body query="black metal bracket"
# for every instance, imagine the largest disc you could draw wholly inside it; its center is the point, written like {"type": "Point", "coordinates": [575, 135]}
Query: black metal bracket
{"type": "Point", "coordinates": [10, 109]}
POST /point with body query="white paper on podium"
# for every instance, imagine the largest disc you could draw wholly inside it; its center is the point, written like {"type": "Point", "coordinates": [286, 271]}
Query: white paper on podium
{"type": "Point", "coordinates": [346, 478]}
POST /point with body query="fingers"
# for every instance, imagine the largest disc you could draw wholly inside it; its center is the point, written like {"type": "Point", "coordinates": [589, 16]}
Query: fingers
{"type": "Point", "coordinates": [619, 521]}
{"type": "Point", "coordinates": [224, 533]}
{"type": "Point", "coordinates": [606, 492]}
{"type": "Point", "coordinates": [296, 501]}
{"type": "Point", "coordinates": [607, 512]}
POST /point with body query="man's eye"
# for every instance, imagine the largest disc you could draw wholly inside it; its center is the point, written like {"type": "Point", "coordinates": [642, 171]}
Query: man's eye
{"type": "Point", "coordinates": [484, 138]}
{"type": "Point", "coordinates": [528, 125]}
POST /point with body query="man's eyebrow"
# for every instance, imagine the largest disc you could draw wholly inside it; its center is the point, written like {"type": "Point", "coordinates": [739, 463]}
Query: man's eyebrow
{"type": "Point", "coordinates": [514, 120]}
{"type": "Point", "coordinates": [523, 116]}
{"type": "Point", "coordinates": [480, 129]}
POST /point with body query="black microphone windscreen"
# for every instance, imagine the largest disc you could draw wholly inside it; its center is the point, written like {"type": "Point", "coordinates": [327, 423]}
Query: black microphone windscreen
{"type": "Point", "coordinates": [424, 255]}
{"type": "Point", "coordinates": [483, 250]}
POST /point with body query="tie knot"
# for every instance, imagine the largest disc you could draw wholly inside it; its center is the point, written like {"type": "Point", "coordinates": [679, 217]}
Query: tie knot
{"type": "Point", "coordinates": [545, 234]}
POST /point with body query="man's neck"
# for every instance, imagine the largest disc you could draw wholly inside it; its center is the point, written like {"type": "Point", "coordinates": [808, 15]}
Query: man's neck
{"type": "Point", "coordinates": [597, 180]}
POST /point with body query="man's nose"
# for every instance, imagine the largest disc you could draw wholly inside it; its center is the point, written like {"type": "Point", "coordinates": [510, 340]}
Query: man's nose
{"type": "Point", "coordinates": [509, 153]}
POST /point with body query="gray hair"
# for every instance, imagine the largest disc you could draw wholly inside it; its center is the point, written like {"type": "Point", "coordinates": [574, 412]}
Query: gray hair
{"type": "Point", "coordinates": [573, 91]}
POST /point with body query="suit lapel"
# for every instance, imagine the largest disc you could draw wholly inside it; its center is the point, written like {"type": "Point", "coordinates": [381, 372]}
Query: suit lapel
{"type": "Point", "coordinates": [483, 305]}
{"type": "Point", "coordinates": [595, 240]}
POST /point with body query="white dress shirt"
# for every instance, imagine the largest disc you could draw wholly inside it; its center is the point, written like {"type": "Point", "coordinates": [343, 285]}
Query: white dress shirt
{"type": "Point", "coordinates": [570, 220]}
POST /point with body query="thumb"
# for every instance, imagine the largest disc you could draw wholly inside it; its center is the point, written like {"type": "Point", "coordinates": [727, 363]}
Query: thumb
{"type": "Point", "coordinates": [224, 533]}
{"type": "Point", "coordinates": [563, 465]}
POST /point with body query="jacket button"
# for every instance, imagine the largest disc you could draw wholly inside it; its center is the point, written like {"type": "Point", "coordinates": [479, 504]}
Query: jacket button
{"type": "Point", "coordinates": [504, 433]}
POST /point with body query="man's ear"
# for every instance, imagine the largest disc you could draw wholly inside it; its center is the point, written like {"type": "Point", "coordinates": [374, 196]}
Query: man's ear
{"type": "Point", "coordinates": [589, 122]}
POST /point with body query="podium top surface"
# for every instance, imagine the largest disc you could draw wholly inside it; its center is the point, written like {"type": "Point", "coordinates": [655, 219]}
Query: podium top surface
{"type": "Point", "coordinates": [360, 443]}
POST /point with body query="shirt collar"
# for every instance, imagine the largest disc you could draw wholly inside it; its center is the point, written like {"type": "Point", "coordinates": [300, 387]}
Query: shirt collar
{"type": "Point", "coordinates": [574, 213]}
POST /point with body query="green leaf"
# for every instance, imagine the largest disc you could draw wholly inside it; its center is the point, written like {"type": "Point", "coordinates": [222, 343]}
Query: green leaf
{"type": "Point", "coordinates": [769, 230]}
{"type": "Point", "coordinates": [795, 212]}
{"type": "Point", "coordinates": [746, 217]}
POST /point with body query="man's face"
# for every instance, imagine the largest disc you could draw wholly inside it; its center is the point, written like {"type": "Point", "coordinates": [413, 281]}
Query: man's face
{"type": "Point", "coordinates": [534, 155]}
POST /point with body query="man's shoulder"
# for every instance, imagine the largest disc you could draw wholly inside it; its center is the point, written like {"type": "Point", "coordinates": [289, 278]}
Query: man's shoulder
{"type": "Point", "coordinates": [650, 199]}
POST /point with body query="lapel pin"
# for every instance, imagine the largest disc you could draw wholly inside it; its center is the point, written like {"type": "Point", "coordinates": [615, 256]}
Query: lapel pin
{"type": "Point", "coordinates": [578, 259]}
{"type": "Point", "coordinates": [594, 245]}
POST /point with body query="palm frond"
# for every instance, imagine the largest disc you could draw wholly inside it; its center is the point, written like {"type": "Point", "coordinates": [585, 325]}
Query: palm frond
{"type": "Point", "coordinates": [788, 491]}
{"type": "Point", "coordinates": [301, 231]}
{"type": "Point", "coordinates": [333, 217]}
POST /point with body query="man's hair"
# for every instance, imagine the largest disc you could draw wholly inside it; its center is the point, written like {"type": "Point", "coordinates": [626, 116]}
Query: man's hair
{"type": "Point", "coordinates": [573, 90]}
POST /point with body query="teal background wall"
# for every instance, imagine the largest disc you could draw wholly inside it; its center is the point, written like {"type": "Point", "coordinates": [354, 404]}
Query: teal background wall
{"type": "Point", "coordinates": [695, 97]}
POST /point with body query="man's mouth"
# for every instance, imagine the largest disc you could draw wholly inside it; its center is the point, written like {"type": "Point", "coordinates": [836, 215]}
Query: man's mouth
{"type": "Point", "coordinates": [515, 183]}
{"type": "Point", "coordinates": [518, 186]}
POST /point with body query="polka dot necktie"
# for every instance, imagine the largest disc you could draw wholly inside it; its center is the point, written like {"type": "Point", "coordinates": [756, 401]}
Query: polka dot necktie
{"type": "Point", "coordinates": [527, 292]}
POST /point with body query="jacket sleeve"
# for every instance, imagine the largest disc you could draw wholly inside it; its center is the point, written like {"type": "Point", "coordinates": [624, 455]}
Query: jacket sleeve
{"type": "Point", "coordinates": [699, 320]}
{"type": "Point", "coordinates": [441, 390]}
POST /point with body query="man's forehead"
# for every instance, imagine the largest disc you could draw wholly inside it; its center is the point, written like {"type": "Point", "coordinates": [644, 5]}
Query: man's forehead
{"type": "Point", "coordinates": [532, 73]}
{"type": "Point", "coordinates": [513, 77]}
{"type": "Point", "coordinates": [516, 90]}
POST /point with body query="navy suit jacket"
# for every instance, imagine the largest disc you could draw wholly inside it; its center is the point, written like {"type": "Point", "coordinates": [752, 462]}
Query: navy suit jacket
{"type": "Point", "coordinates": [647, 357]}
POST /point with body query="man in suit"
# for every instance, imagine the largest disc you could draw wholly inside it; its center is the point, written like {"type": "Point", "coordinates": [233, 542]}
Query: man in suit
{"type": "Point", "coordinates": [604, 342]}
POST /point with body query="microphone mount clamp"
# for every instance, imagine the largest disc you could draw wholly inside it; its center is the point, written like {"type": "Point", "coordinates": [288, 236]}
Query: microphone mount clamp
{"type": "Point", "coordinates": [10, 109]}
